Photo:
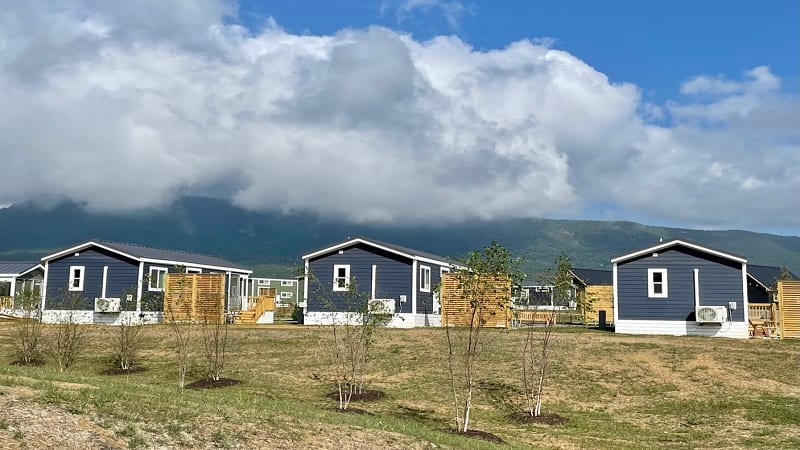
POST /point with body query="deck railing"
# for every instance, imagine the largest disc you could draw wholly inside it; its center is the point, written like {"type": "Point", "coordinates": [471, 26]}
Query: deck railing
{"type": "Point", "coordinates": [764, 316]}
{"type": "Point", "coordinates": [6, 302]}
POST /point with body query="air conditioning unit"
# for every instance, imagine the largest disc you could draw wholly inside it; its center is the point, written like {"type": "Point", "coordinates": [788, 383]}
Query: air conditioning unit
{"type": "Point", "coordinates": [711, 314]}
{"type": "Point", "coordinates": [106, 305]}
{"type": "Point", "coordinates": [381, 306]}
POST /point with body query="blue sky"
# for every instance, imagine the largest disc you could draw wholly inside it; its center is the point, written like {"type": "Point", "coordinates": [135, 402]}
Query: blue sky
{"type": "Point", "coordinates": [674, 113]}
{"type": "Point", "coordinates": [656, 44]}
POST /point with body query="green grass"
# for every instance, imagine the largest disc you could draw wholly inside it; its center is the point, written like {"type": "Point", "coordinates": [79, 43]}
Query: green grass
{"type": "Point", "coordinates": [620, 392]}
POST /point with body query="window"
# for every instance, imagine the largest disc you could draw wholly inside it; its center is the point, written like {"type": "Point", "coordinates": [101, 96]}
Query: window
{"type": "Point", "coordinates": [287, 283]}
{"type": "Point", "coordinates": [657, 283]}
{"type": "Point", "coordinates": [341, 277]}
{"type": "Point", "coordinates": [157, 278]}
{"type": "Point", "coordinates": [194, 270]}
{"type": "Point", "coordinates": [286, 295]}
{"type": "Point", "coordinates": [424, 278]}
{"type": "Point", "coordinates": [76, 277]}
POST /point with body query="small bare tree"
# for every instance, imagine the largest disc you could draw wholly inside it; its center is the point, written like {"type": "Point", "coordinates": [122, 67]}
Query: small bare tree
{"type": "Point", "coordinates": [130, 334]}
{"type": "Point", "coordinates": [182, 330]}
{"type": "Point", "coordinates": [538, 344]}
{"type": "Point", "coordinates": [27, 330]}
{"type": "Point", "coordinates": [354, 323]}
{"type": "Point", "coordinates": [68, 337]}
{"type": "Point", "coordinates": [486, 278]}
{"type": "Point", "coordinates": [215, 340]}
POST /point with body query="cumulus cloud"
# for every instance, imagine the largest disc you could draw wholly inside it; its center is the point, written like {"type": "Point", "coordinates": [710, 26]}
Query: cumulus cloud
{"type": "Point", "coordinates": [452, 10]}
{"type": "Point", "coordinates": [109, 108]}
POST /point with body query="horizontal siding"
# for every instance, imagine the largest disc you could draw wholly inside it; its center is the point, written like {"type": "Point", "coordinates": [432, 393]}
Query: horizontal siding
{"type": "Point", "coordinates": [720, 283]}
{"type": "Point", "coordinates": [393, 278]}
{"type": "Point", "coordinates": [425, 299]}
{"type": "Point", "coordinates": [122, 277]}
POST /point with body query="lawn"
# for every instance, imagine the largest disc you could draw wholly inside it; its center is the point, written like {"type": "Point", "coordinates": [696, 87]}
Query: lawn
{"type": "Point", "coordinates": [618, 392]}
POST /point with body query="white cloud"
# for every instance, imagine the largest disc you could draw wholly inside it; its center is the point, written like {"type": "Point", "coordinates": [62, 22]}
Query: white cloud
{"type": "Point", "coordinates": [452, 10]}
{"type": "Point", "coordinates": [120, 112]}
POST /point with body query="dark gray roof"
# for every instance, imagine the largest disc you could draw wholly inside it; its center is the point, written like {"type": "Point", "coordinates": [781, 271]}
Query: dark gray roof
{"type": "Point", "coordinates": [594, 277]}
{"type": "Point", "coordinates": [140, 251]}
{"type": "Point", "coordinates": [678, 241]}
{"type": "Point", "coordinates": [767, 275]}
{"type": "Point", "coordinates": [397, 248]}
{"type": "Point", "coordinates": [16, 267]}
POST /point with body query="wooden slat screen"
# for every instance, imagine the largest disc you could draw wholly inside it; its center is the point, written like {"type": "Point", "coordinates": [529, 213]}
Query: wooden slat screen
{"type": "Point", "coordinates": [492, 295]}
{"type": "Point", "coordinates": [789, 300]}
{"type": "Point", "coordinates": [196, 297]}
{"type": "Point", "coordinates": [599, 298]}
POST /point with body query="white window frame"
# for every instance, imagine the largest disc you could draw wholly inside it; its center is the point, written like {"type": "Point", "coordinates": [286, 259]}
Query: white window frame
{"type": "Point", "coordinates": [424, 282]}
{"type": "Point", "coordinates": [651, 283]}
{"type": "Point", "coordinates": [287, 283]}
{"type": "Point", "coordinates": [158, 277]}
{"type": "Point", "coordinates": [194, 270]}
{"type": "Point", "coordinates": [336, 278]}
{"type": "Point", "coordinates": [80, 278]}
{"type": "Point", "coordinates": [286, 294]}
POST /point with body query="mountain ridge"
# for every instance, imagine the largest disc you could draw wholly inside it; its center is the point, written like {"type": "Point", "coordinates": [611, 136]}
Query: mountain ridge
{"type": "Point", "coordinates": [274, 242]}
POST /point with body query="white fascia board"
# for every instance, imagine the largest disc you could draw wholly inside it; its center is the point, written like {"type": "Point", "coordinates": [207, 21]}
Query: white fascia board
{"type": "Point", "coordinates": [349, 243]}
{"type": "Point", "coordinates": [191, 264]}
{"type": "Point", "coordinates": [37, 266]}
{"type": "Point", "coordinates": [674, 243]}
{"type": "Point", "coordinates": [439, 262]}
{"type": "Point", "coordinates": [85, 246]}
{"type": "Point", "coordinates": [759, 282]}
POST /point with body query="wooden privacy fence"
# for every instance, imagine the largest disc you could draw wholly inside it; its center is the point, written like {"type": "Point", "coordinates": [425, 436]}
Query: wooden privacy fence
{"type": "Point", "coordinates": [490, 295]}
{"type": "Point", "coordinates": [196, 297]}
{"type": "Point", "coordinates": [598, 298]}
{"type": "Point", "coordinates": [789, 305]}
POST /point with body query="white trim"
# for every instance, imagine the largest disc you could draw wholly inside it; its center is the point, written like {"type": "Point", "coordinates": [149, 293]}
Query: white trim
{"type": "Point", "coordinates": [336, 277]}
{"type": "Point", "coordinates": [351, 242]}
{"type": "Point", "coordinates": [614, 285]}
{"type": "Point", "coordinates": [105, 282]}
{"type": "Point", "coordinates": [674, 243]}
{"type": "Point", "coordinates": [290, 283]}
{"type": "Point", "coordinates": [141, 259]}
{"type": "Point", "coordinates": [140, 287]}
{"type": "Point", "coordinates": [696, 273]}
{"type": "Point", "coordinates": [70, 278]}
{"type": "Point", "coordinates": [193, 269]}
{"type": "Point", "coordinates": [651, 293]}
{"type": "Point", "coordinates": [204, 266]}
{"type": "Point", "coordinates": [305, 281]}
{"type": "Point", "coordinates": [44, 285]}
{"type": "Point", "coordinates": [745, 297]}
{"type": "Point", "coordinates": [158, 269]}
{"type": "Point", "coordinates": [414, 287]}
{"type": "Point", "coordinates": [288, 294]}
{"type": "Point", "coordinates": [374, 277]}
{"type": "Point", "coordinates": [737, 330]}
{"type": "Point", "coordinates": [422, 278]}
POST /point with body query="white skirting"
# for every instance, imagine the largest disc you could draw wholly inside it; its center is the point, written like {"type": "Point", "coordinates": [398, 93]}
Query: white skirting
{"type": "Point", "coordinates": [89, 317]}
{"type": "Point", "coordinates": [737, 330]}
{"type": "Point", "coordinates": [267, 317]}
{"type": "Point", "coordinates": [402, 320]}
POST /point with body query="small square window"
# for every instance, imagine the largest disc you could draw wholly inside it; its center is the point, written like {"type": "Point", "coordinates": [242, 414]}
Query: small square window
{"type": "Point", "coordinates": [286, 295]}
{"type": "Point", "coordinates": [287, 282]}
{"type": "Point", "coordinates": [156, 280]}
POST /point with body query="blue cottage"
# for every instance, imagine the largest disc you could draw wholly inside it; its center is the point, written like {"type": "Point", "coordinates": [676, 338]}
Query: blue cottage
{"type": "Point", "coordinates": [107, 282]}
{"type": "Point", "coordinates": [681, 288]}
{"type": "Point", "coordinates": [402, 279]}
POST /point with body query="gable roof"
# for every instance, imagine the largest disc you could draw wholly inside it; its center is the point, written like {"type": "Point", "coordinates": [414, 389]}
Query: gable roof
{"type": "Point", "coordinates": [766, 276]}
{"type": "Point", "coordinates": [151, 254]}
{"type": "Point", "coordinates": [17, 268]}
{"type": "Point", "coordinates": [391, 248]}
{"type": "Point", "coordinates": [594, 277]}
{"type": "Point", "coordinates": [681, 243]}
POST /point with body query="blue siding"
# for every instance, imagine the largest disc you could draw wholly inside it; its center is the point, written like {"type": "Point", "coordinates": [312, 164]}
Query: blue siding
{"type": "Point", "coordinates": [122, 277]}
{"type": "Point", "coordinates": [425, 299]}
{"type": "Point", "coordinates": [393, 276]}
{"type": "Point", "coordinates": [720, 282]}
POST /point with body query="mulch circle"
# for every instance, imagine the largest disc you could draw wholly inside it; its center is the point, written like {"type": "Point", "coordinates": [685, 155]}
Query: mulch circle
{"type": "Point", "coordinates": [544, 419]}
{"type": "Point", "coordinates": [366, 395]}
{"type": "Point", "coordinates": [208, 383]}
{"type": "Point", "coordinates": [478, 434]}
{"type": "Point", "coordinates": [121, 371]}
